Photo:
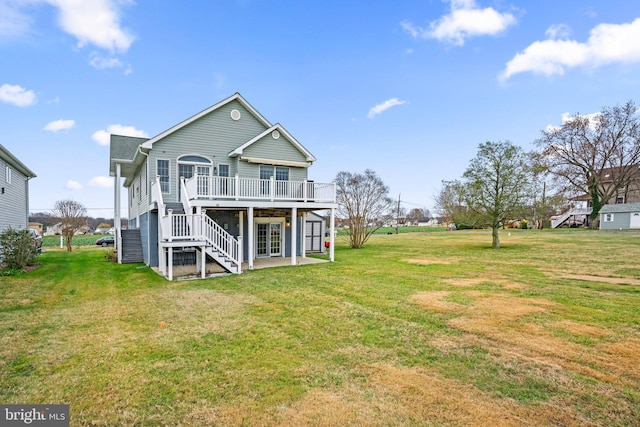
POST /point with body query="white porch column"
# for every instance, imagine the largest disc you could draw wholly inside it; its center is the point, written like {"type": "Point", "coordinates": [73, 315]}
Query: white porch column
{"type": "Point", "coordinates": [331, 235]}
{"type": "Point", "coordinates": [203, 262]}
{"type": "Point", "coordinates": [303, 232]}
{"type": "Point", "coordinates": [170, 263]}
{"type": "Point", "coordinates": [294, 232]}
{"type": "Point", "coordinates": [116, 214]}
{"type": "Point", "coordinates": [250, 248]}
{"type": "Point", "coordinates": [241, 227]}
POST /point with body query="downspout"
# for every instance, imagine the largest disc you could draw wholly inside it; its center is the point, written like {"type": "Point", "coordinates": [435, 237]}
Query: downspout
{"type": "Point", "coordinates": [116, 212]}
{"type": "Point", "coordinates": [26, 190]}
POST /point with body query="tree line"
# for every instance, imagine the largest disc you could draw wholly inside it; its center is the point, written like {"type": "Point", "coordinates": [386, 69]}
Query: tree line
{"type": "Point", "coordinates": [595, 156]}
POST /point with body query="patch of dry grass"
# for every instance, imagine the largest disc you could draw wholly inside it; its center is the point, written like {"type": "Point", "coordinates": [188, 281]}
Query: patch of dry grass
{"type": "Point", "coordinates": [416, 329]}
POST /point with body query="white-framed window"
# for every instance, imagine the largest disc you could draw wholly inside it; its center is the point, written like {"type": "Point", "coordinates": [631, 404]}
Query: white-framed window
{"type": "Point", "coordinates": [282, 174]}
{"type": "Point", "coordinates": [8, 174]}
{"type": "Point", "coordinates": [223, 170]}
{"type": "Point", "coordinates": [608, 217]}
{"type": "Point", "coordinates": [162, 171]}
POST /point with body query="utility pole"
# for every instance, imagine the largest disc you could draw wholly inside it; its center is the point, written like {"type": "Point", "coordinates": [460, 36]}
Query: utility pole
{"type": "Point", "coordinates": [398, 215]}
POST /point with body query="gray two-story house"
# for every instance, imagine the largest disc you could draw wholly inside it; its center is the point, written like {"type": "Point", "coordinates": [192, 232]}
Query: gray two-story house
{"type": "Point", "coordinates": [14, 191]}
{"type": "Point", "coordinates": [223, 185]}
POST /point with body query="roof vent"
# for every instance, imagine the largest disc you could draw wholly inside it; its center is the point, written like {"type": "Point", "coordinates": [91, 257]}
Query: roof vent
{"type": "Point", "coordinates": [235, 114]}
{"type": "Point", "coordinates": [275, 134]}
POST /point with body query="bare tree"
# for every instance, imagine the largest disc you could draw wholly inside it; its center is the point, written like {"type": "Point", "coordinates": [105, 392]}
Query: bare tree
{"type": "Point", "coordinates": [596, 154]}
{"type": "Point", "coordinates": [453, 207]}
{"type": "Point", "coordinates": [72, 215]}
{"type": "Point", "coordinates": [496, 184]}
{"type": "Point", "coordinates": [364, 200]}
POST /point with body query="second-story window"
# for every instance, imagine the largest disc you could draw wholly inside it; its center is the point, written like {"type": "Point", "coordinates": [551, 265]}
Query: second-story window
{"type": "Point", "coordinates": [282, 174]}
{"type": "Point", "coordinates": [163, 175]}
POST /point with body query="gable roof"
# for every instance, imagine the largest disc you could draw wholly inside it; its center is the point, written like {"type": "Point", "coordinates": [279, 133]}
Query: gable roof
{"type": "Point", "coordinates": [123, 150]}
{"type": "Point", "coordinates": [621, 207]}
{"type": "Point", "coordinates": [238, 151]}
{"type": "Point", "coordinates": [15, 163]}
{"type": "Point", "coordinates": [235, 97]}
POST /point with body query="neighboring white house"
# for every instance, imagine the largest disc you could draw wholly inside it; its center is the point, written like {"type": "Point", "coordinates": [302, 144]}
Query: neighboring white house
{"type": "Point", "coordinates": [14, 191]}
{"type": "Point", "coordinates": [224, 185]}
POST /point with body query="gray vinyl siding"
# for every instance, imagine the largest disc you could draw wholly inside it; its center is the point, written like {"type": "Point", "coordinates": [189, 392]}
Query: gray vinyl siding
{"type": "Point", "coordinates": [14, 206]}
{"type": "Point", "coordinates": [620, 221]}
{"type": "Point", "coordinates": [144, 236]}
{"type": "Point", "coordinates": [269, 148]}
{"type": "Point", "coordinates": [252, 170]}
{"type": "Point", "coordinates": [153, 239]}
{"type": "Point", "coordinates": [212, 136]}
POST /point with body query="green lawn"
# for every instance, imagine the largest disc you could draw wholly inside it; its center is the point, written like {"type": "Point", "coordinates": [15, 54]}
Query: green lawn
{"type": "Point", "coordinates": [414, 329]}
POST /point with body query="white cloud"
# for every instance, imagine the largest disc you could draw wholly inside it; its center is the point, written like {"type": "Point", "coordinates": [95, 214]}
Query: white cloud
{"type": "Point", "coordinates": [101, 63]}
{"type": "Point", "coordinates": [57, 125]}
{"type": "Point", "coordinates": [465, 20]}
{"type": "Point", "coordinates": [384, 106]}
{"type": "Point", "coordinates": [103, 137]}
{"type": "Point", "coordinates": [12, 21]}
{"type": "Point", "coordinates": [558, 31]}
{"type": "Point", "coordinates": [94, 22]}
{"type": "Point", "coordinates": [17, 95]}
{"type": "Point", "coordinates": [567, 117]}
{"type": "Point", "coordinates": [101, 182]}
{"type": "Point", "coordinates": [73, 185]}
{"type": "Point", "coordinates": [607, 43]}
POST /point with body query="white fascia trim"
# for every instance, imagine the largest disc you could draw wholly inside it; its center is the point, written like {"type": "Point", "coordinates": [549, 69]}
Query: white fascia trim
{"type": "Point", "coordinates": [275, 162]}
{"type": "Point", "coordinates": [238, 151]}
{"type": "Point", "coordinates": [236, 96]}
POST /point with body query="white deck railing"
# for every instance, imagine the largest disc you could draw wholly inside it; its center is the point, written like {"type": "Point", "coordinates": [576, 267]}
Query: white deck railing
{"type": "Point", "coordinates": [199, 227]}
{"type": "Point", "coordinates": [236, 188]}
{"type": "Point", "coordinates": [556, 222]}
{"type": "Point", "coordinates": [194, 227]}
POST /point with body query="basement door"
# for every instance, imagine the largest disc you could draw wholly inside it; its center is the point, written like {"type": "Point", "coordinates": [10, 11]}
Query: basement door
{"type": "Point", "coordinates": [268, 239]}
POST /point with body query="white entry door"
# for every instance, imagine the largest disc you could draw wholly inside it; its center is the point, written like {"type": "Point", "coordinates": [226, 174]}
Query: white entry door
{"type": "Point", "coordinates": [635, 220]}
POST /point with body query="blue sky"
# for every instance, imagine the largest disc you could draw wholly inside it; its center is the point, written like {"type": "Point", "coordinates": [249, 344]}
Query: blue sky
{"type": "Point", "coordinates": [406, 88]}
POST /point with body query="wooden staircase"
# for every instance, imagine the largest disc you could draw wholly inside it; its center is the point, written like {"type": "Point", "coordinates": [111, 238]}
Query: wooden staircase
{"type": "Point", "coordinates": [180, 227]}
{"type": "Point", "coordinates": [131, 246]}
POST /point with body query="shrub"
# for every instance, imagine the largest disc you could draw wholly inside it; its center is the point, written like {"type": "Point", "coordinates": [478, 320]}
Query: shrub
{"type": "Point", "coordinates": [17, 249]}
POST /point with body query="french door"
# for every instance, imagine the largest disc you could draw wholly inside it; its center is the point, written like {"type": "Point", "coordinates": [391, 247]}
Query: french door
{"type": "Point", "coordinates": [269, 239]}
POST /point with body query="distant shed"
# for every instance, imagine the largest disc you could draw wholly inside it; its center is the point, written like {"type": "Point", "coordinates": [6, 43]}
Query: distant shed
{"type": "Point", "coordinates": [623, 216]}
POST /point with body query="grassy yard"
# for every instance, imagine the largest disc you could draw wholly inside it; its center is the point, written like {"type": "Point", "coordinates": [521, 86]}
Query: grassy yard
{"type": "Point", "coordinates": [413, 329]}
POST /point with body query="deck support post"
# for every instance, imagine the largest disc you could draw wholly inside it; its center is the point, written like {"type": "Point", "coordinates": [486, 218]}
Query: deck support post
{"type": "Point", "coordinates": [250, 248]}
{"type": "Point", "coordinates": [294, 232]}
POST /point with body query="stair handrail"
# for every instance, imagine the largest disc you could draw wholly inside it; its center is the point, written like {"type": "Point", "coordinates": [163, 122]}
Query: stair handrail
{"type": "Point", "coordinates": [222, 240]}
{"type": "Point", "coordinates": [184, 196]}
{"type": "Point", "coordinates": [569, 213]}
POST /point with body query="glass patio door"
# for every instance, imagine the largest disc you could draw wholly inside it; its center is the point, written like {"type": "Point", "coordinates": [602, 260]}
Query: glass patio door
{"type": "Point", "coordinates": [275, 240]}
{"type": "Point", "coordinates": [262, 240]}
{"type": "Point", "coordinates": [268, 239]}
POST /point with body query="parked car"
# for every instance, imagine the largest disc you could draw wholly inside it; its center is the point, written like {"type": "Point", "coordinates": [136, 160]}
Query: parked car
{"type": "Point", "coordinates": [106, 241]}
{"type": "Point", "coordinates": [37, 239]}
